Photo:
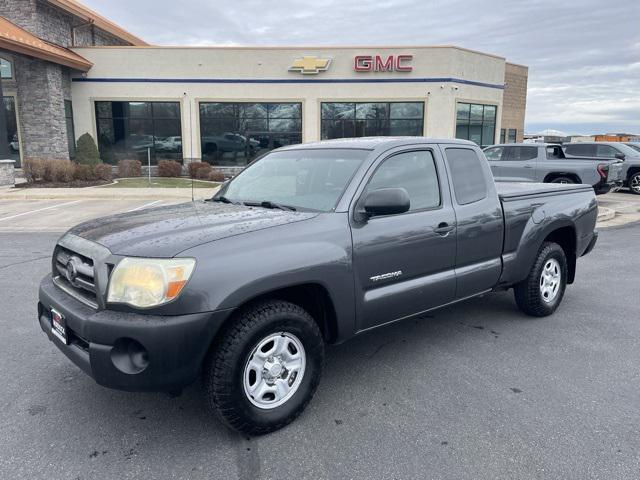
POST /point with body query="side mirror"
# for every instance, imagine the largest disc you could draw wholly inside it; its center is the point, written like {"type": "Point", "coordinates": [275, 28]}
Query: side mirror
{"type": "Point", "coordinates": [620, 156]}
{"type": "Point", "coordinates": [386, 201]}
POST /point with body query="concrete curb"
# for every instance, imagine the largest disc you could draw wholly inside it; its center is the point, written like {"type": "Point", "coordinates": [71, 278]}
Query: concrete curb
{"type": "Point", "coordinates": [605, 214]}
{"type": "Point", "coordinates": [90, 193]}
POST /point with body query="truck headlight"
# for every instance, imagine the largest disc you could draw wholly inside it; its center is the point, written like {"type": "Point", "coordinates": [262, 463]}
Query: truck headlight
{"type": "Point", "coordinates": [149, 282]}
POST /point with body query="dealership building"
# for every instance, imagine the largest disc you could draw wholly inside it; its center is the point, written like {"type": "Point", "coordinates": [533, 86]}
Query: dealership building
{"type": "Point", "coordinates": [67, 71]}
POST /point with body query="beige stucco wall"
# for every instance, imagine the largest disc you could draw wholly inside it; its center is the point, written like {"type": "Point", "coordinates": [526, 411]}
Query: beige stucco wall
{"type": "Point", "coordinates": [237, 63]}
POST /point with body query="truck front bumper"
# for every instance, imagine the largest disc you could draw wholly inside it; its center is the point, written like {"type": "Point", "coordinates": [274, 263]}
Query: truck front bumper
{"type": "Point", "coordinates": [130, 351]}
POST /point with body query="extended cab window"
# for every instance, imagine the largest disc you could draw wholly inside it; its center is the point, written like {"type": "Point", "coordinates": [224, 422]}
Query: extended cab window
{"type": "Point", "coordinates": [523, 153]}
{"type": "Point", "coordinates": [415, 172]}
{"type": "Point", "coordinates": [467, 174]}
{"type": "Point", "coordinates": [494, 154]}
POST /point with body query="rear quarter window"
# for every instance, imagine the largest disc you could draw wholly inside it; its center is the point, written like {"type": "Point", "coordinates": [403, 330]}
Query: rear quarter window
{"type": "Point", "coordinates": [467, 174]}
{"type": "Point", "coordinates": [578, 150]}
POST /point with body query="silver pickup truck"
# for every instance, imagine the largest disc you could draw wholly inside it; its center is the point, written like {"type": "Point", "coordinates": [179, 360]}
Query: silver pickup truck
{"type": "Point", "coordinates": [545, 162]}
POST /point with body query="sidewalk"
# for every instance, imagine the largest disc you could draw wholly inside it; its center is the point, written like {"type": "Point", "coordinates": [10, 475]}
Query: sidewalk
{"type": "Point", "coordinates": [94, 193]}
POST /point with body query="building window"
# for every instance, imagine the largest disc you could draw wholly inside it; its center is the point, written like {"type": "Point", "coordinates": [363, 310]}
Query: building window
{"type": "Point", "coordinates": [513, 134]}
{"type": "Point", "coordinates": [9, 104]}
{"type": "Point", "coordinates": [342, 120]}
{"type": "Point", "coordinates": [476, 123]}
{"type": "Point", "coordinates": [71, 134]}
{"type": "Point", "coordinates": [502, 135]}
{"type": "Point", "coordinates": [6, 68]}
{"type": "Point", "coordinates": [128, 130]}
{"type": "Point", "coordinates": [232, 134]}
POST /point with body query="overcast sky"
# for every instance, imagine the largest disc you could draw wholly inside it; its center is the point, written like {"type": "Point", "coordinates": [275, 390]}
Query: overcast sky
{"type": "Point", "coordinates": [583, 56]}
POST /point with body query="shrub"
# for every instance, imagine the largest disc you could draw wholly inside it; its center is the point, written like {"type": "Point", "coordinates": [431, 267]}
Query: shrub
{"type": "Point", "coordinates": [59, 171]}
{"type": "Point", "coordinates": [216, 176]}
{"type": "Point", "coordinates": [34, 169]}
{"type": "Point", "coordinates": [204, 173]}
{"type": "Point", "coordinates": [83, 172]}
{"type": "Point", "coordinates": [87, 151]}
{"type": "Point", "coordinates": [169, 168]}
{"type": "Point", "coordinates": [103, 171]}
{"type": "Point", "coordinates": [129, 168]}
{"type": "Point", "coordinates": [194, 167]}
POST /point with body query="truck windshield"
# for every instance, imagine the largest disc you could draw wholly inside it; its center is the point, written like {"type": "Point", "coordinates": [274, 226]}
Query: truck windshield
{"type": "Point", "coordinates": [295, 179]}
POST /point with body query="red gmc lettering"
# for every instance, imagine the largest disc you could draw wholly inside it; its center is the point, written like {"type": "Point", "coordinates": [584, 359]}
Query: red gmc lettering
{"type": "Point", "coordinates": [369, 63]}
{"type": "Point", "coordinates": [401, 63]}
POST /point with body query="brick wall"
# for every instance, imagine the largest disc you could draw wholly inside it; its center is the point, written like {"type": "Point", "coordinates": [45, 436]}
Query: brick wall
{"type": "Point", "coordinates": [514, 100]}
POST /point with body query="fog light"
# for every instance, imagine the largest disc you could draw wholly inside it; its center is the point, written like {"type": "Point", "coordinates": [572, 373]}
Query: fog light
{"type": "Point", "coordinates": [129, 356]}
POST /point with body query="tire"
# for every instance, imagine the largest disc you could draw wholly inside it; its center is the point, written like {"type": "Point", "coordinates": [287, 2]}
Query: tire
{"type": "Point", "coordinates": [634, 183]}
{"type": "Point", "coordinates": [562, 180]}
{"type": "Point", "coordinates": [229, 373]}
{"type": "Point", "coordinates": [536, 299]}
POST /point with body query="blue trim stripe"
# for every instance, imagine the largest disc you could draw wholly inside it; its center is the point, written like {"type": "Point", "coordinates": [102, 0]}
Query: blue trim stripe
{"type": "Point", "coordinates": [291, 80]}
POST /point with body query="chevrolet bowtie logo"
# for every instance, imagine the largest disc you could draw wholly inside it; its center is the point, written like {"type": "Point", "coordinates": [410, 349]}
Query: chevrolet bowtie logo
{"type": "Point", "coordinates": [310, 65]}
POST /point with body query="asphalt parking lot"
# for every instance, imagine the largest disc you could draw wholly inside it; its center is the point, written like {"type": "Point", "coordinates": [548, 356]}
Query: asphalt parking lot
{"type": "Point", "coordinates": [476, 390]}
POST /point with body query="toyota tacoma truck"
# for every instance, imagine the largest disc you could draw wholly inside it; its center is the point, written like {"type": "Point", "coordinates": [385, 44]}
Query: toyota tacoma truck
{"type": "Point", "coordinates": [547, 163]}
{"type": "Point", "coordinates": [309, 245]}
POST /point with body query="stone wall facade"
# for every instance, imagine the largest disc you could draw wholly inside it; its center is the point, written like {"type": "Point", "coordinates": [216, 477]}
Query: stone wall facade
{"type": "Point", "coordinates": [7, 173]}
{"type": "Point", "coordinates": [514, 100]}
{"type": "Point", "coordinates": [41, 87]}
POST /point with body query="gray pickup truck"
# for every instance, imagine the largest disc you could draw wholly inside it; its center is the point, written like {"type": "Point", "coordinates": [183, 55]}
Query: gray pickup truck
{"type": "Point", "coordinates": [310, 245]}
{"type": "Point", "coordinates": [605, 151]}
{"type": "Point", "coordinates": [547, 163]}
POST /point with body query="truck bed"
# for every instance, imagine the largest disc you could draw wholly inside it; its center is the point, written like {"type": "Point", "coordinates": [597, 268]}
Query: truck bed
{"type": "Point", "coordinates": [532, 209]}
{"type": "Point", "coordinates": [509, 191]}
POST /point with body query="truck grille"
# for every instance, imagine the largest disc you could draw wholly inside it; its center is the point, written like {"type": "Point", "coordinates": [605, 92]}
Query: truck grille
{"type": "Point", "coordinates": [75, 274]}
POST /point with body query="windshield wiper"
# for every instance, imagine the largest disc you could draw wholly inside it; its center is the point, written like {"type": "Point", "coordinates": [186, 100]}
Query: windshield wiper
{"type": "Point", "coordinates": [270, 204]}
{"type": "Point", "coordinates": [222, 199]}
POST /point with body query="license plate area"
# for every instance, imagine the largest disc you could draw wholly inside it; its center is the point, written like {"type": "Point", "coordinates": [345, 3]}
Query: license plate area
{"type": "Point", "coordinates": [59, 326]}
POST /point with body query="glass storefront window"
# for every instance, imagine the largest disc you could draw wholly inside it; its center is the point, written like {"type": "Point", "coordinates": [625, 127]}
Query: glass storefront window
{"type": "Point", "coordinates": [127, 130]}
{"type": "Point", "coordinates": [6, 70]}
{"type": "Point", "coordinates": [9, 105]}
{"type": "Point", "coordinates": [476, 122]}
{"type": "Point", "coordinates": [513, 133]}
{"type": "Point", "coordinates": [342, 119]}
{"type": "Point", "coordinates": [233, 134]}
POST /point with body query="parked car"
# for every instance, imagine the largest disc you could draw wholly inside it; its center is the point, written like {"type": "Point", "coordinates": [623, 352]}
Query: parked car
{"type": "Point", "coordinates": [609, 150]}
{"type": "Point", "coordinates": [310, 245]}
{"type": "Point", "coordinates": [546, 163]}
{"type": "Point", "coordinates": [634, 145]}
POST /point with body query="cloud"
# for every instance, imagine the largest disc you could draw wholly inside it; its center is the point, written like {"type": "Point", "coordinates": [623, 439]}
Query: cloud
{"type": "Point", "coordinates": [583, 55]}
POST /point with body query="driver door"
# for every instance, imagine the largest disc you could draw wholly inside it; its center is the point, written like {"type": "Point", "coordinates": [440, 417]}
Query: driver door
{"type": "Point", "coordinates": [404, 263]}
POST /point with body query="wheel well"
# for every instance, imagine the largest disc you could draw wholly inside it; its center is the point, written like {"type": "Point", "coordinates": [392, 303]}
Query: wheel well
{"type": "Point", "coordinates": [632, 171]}
{"type": "Point", "coordinates": [566, 238]}
{"type": "Point", "coordinates": [314, 298]}
{"type": "Point", "coordinates": [552, 176]}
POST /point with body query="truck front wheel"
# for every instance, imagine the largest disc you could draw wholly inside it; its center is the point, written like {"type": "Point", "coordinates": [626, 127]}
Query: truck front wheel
{"type": "Point", "coordinates": [541, 292]}
{"type": "Point", "coordinates": [265, 369]}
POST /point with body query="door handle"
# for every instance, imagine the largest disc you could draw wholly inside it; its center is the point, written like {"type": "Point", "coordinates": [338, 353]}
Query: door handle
{"type": "Point", "coordinates": [528, 166]}
{"type": "Point", "coordinates": [444, 229]}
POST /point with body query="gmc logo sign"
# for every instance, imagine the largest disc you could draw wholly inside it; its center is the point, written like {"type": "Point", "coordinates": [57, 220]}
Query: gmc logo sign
{"type": "Point", "coordinates": [377, 63]}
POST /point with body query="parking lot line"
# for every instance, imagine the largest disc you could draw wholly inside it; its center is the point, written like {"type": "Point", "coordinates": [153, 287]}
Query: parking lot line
{"type": "Point", "coordinates": [39, 210]}
{"type": "Point", "coordinates": [146, 205]}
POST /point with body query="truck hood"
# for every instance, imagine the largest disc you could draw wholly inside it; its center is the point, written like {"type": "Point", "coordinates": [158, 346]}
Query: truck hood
{"type": "Point", "coordinates": [167, 231]}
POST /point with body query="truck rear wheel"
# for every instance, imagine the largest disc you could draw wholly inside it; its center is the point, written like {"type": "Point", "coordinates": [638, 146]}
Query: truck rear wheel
{"type": "Point", "coordinates": [541, 292]}
{"type": "Point", "coordinates": [266, 367]}
{"type": "Point", "coordinates": [562, 180]}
